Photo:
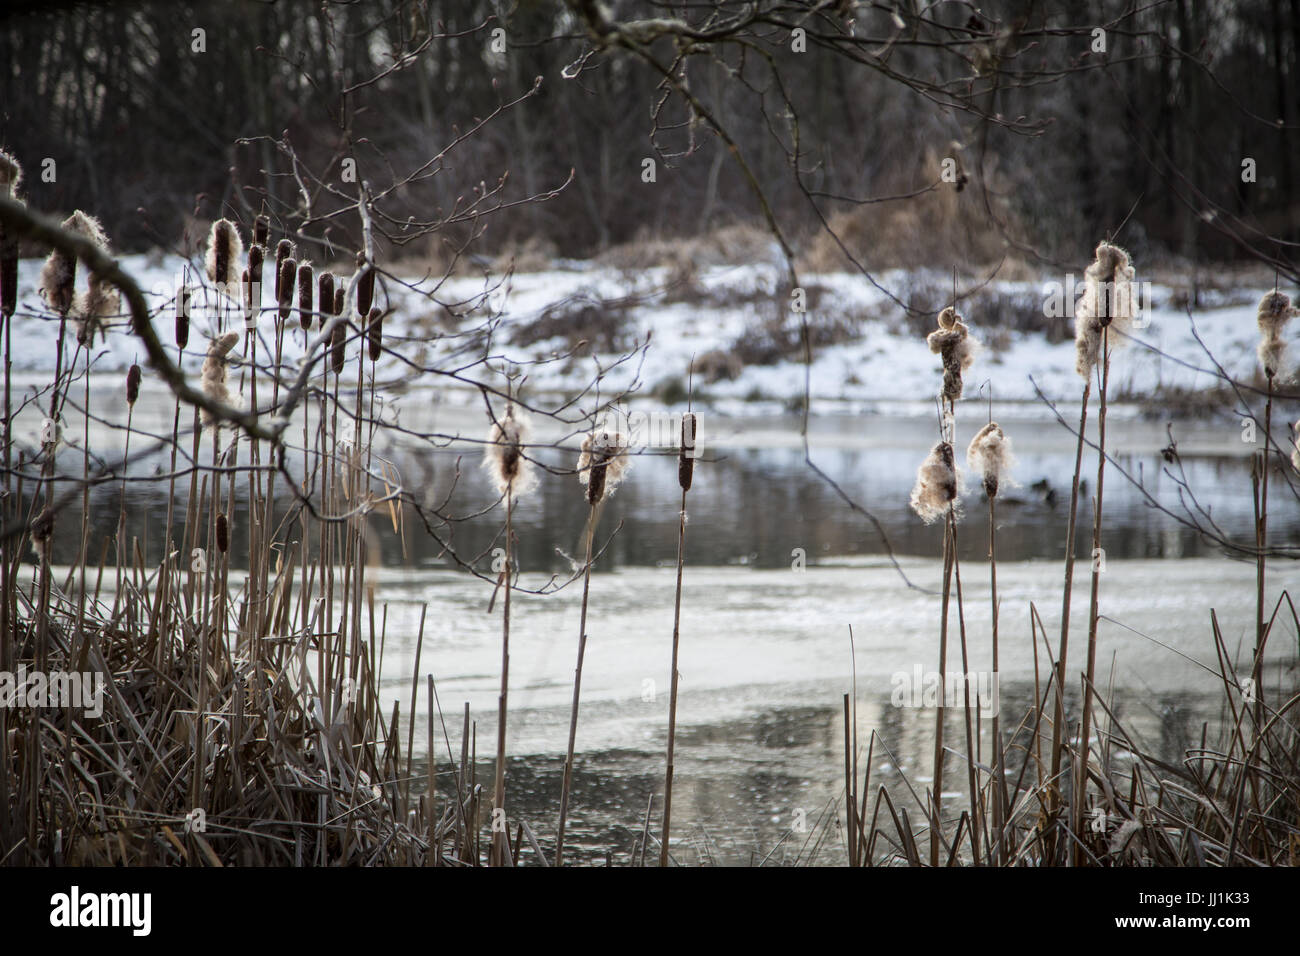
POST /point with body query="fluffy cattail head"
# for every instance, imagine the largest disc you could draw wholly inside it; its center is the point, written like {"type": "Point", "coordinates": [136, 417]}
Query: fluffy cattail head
{"type": "Point", "coordinates": [288, 270]}
{"type": "Point", "coordinates": [101, 299]}
{"type": "Point", "coordinates": [602, 464]}
{"type": "Point", "coordinates": [375, 333]}
{"type": "Point", "coordinates": [262, 231]}
{"type": "Point", "coordinates": [686, 453]}
{"type": "Point", "coordinates": [1107, 301]}
{"type": "Point", "coordinates": [365, 285]}
{"type": "Point", "coordinates": [953, 341]}
{"type": "Point", "coordinates": [225, 249]}
{"type": "Point", "coordinates": [42, 531]}
{"type": "Point", "coordinates": [504, 458]}
{"type": "Point", "coordinates": [214, 371]}
{"type": "Point", "coordinates": [59, 274]}
{"type": "Point", "coordinates": [305, 290]}
{"type": "Point", "coordinates": [11, 174]}
{"type": "Point", "coordinates": [1275, 311]}
{"type": "Point", "coordinates": [936, 484]}
{"type": "Point", "coordinates": [132, 384]}
{"type": "Point", "coordinates": [990, 454]}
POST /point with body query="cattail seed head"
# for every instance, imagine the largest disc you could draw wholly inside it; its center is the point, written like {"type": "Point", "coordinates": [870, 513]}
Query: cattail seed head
{"type": "Point", "coordinates": [283, 250]}
{"type": "Point", "coordinates": [223, 533]}
{"type": "Point", "coordinates": [339, 347]}
{"type": "Point", "coordinates": [1107, 301]}
{"type": "Point", "coordinates": [686, 453]}
{"type": "Point", "coordinates": [953, 341]}
{"type": "Point", "coordinates": [59, 274]}
{"type": "Point", "coordinates": [936, 484]}
{"type": "Point", "coordinates": [1295, 441]}
{"type": "Point", "coordinates": [305, 289]}
{"type": "Point", "coordinates": [214, 371]}
{"type": "Point", "coordinates": [503, 458]}
{"type": "Point", "coordinates": [253, 281]}
{"type": "Point", "coordinates": [340, 299]}
{"type": "Point", "coordinates": [132, 384]}
{"type": "Point", "coordinates": [602, 464]}
{"type": "Point", "coordinates": [42, 532]}
{"type": "Point", "coordinates": [11, 174]}
{"type": "Point", "coordinates": [262, 231]}
{"type": "Point", "coordinates": [1275, 311]}
{"type": "Point", "coordinates": [375, 333]}
{"type": "Point", "coordinates": [325, 293]}
{"type": "Point", "coordinates": [183, 313]}
{"type": "Point", "coordinates": [288, 270]}
{"type": "Point", "coordinates": [990, 454]}
{"type": "Point", "coordinates": [225, 249]}
{"type": "Point", "coordinates": [365, 285]}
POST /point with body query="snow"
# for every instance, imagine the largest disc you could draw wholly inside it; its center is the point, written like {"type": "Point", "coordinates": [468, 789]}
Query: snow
{"type": "Point", "coordinates": [884, 363]}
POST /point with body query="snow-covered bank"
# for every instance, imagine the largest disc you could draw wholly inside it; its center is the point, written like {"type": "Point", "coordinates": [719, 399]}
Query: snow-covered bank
{"type": "Point", "coordinates": [876, 356]}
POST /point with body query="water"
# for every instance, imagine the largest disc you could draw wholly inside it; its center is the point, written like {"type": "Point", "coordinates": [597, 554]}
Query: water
{"type": "Point", "coordinates": [779, 570]}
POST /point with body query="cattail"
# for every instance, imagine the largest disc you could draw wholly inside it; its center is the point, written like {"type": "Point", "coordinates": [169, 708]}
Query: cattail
{"type": "Point", "coordinates": [183, 313]}
{"type": "Point", "coordinates": [283, 250]}
{"type": "Point", "coordinates": [42, 532]}
{"type": "Point", "coordinates": [59, 274]}
{"type": "Point", "coordinates": [214, 371]}
{"type": "Point", "coordinates": [936, 484]}
{"type": "Point", "coordinates": [1107, 300]}
{"type": "Point", "coordinates": [365, 285]}
{"type": "Point", "coordinates": [132, 384]}
{"type": "Point", "coordinates": [990, 454]}
{"type": "Point", "coordinates": [225, 248]}
{"type": "Point", "coordinates": [1295, 453]}
{"type": "Point", "coordinates": [953, 341]}
{"type": "Point", "coordinates": [1275, 311]}
{"type": "Point", "coordinates": [262, 231]}
{"type": "Point", "coordinates": [288, 269]}
{"type": "Point", "coordinates": [504, 458]}
{"type": "Point", "coordinates": [602, 464]}
{"type": "Point", "coordinates": [101, 299]}
{"type": "Point", "coordinates": [686, 454]}
{"type": "Point", "coordinates": [223, 533]}
{"type": "Point", "coordinates": [253, 281]}
{"type": "Point", "coordinates": [339, 347]}
{"type": "Point", "coordinates": [11, 174]}
{"type": "Point", "coordinates": [304, 295]}
{"type": "Point", "coordinates": [375, 333]}
{"type": "Point", "coordinates": [325, 293]}
{"type": "Point", "coordinates": [340, 299]}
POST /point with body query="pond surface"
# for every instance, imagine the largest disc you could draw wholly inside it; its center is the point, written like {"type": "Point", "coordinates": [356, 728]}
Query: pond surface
{"type": "Point", "coordinates": [779, 568]}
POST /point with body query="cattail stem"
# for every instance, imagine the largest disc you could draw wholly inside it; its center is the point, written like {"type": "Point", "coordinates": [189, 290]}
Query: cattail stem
{"type": "Point", "coordinates": [672, 700]}
{"type": "Point", "coordinates": [949, 549]}
{"type": "Point", "coordinates": [498, 857]}
{"type": "Point", "coordinates": [1058, 720]}
{"type": "Point", "coordinates": [999, 777]}
{"type": "Point", "coordinates": [1261, 560]}
{"type": "Point", "coordinates": [577, 687]}
{"type": "Point", "coordinates": [1085, 729]}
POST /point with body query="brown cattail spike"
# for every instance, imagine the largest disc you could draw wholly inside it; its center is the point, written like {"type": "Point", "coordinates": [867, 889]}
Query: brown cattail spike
{"type": "Point", "coordinates": [304, 295]}
{"type": "Point", "coordinates": [253, 285]}
{"type": "Point", "coordinates": [223, 533]}
{"type": "Point", "coordinates": [340, 299]}
{"type": "Point", "coordinates": [132, 384]}
{"type": "Point", "coordinates": [183, 312]}
{"type": "Point", "coordinates": [339, 347]}
{"type": "Point", "coordinates": [288, 269]}
{"type": "Point", "coordinates": [686, 454]}
{"type": "Point", "coordinates": [365, 285]}
{"type": "Point", "coordinates": [262, 231]}
{"type": "Point", "coordinates": [375, 333]}
{"type": "Point", "coordinates": [283, 250]}
{"type": "Point", "coordinates": [953, 341]}
{"type": "Point", "coordinates": [325, 293]}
